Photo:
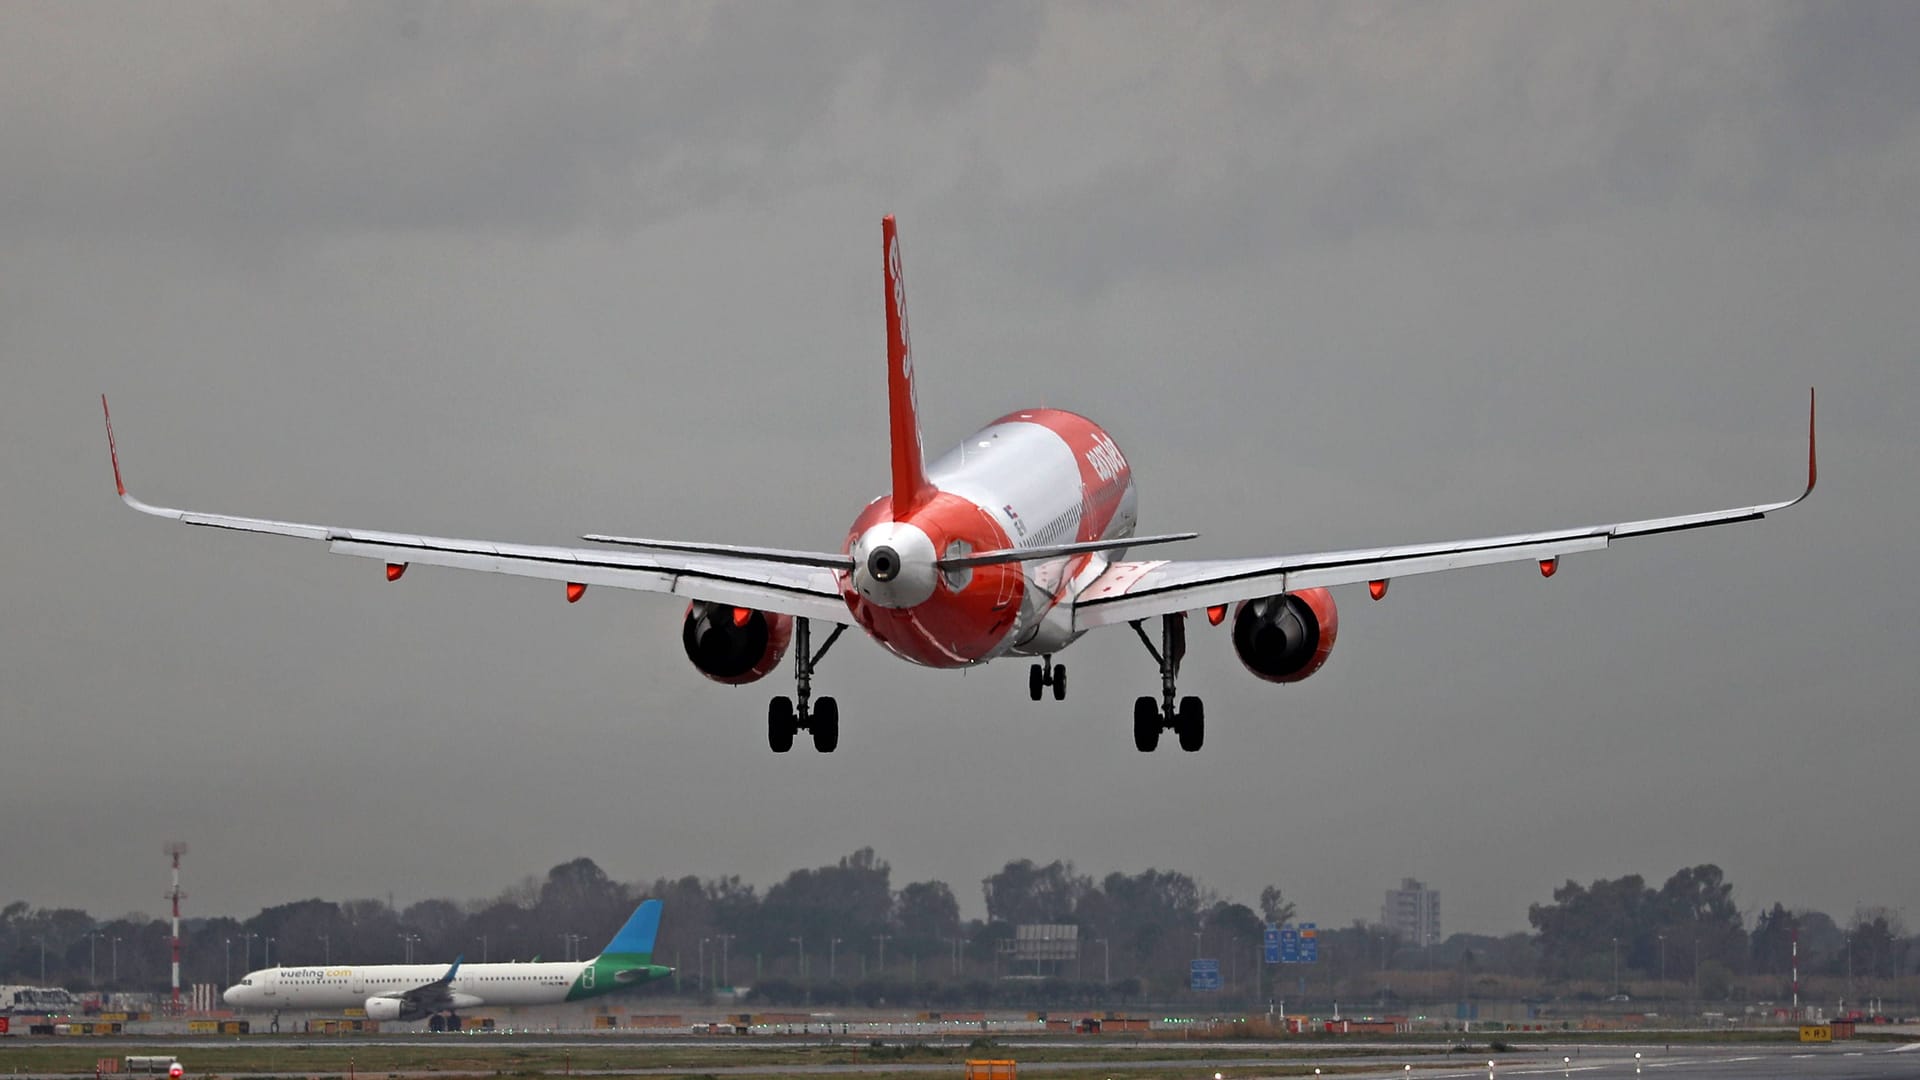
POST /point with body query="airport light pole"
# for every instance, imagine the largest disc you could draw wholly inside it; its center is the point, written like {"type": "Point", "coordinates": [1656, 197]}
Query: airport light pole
{"type": "Point", "coordinates": [1616, 965]}
{"type": "Point", "coordinates": [43, 963]}
{"type": "Point", "coordinates": [883, 939]}
{"type": "Point", "coordinates": [1663, 958]}
{"type": "Point", "coordinates": [833, 949]}
{"type": "Point", "coordinates": [93, 971]}
{"type": "Point", "coordinates": [406, 940]}
{"type": "Point", "coordinates": [226, 958]}
{"type": "Point", "coordinates": [246, 959]}
{"type": "Point", "coordinates": [726, 977]}
{"type": "Point", "coordinates": [1106, 963]}
{"type": "Point", "coordinates": [326, 949]}
{"type": "Point", "coordinates": [483, 948]}
{"type": "Point", "coordinates": [266, 953]}
{"type": "Point", "coordinates": [800, 955]}
{"type": "Point", "coordinates": [116, 962]}
{"type": "Point", "coordinates": [702, 984]}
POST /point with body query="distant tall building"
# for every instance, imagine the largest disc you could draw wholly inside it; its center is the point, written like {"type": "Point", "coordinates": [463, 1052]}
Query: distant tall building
{"type": "Point", "coordinates": [1413, 912]}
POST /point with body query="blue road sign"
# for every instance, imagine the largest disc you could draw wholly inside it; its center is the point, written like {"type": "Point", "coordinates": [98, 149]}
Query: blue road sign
{"type": "Point", "coordinates": [1289, 944]}
{"type": "Point", "coordinates": [1309, 943]}
{"type": "Point", "coordinates": [1205, 975]}
{"type": "Point", "coordinates": [1272, 940]}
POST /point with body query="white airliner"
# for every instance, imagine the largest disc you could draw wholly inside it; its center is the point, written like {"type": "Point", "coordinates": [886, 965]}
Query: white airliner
{"type": "Point", "coordinates": [413, 991]}
{"type": "Point", "coordinates": [1011, 544]}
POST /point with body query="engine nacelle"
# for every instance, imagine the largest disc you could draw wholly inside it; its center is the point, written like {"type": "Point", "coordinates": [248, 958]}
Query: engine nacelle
{"type": "Point", "coordinates": [393, 1008]}
{"type": "Point", "coordinates": [1286, 638]}
{"type": "Point", "coordinates": [734, 645]}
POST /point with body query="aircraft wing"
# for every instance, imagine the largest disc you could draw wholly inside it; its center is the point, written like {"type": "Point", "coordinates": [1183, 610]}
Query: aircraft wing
{"type": "Point", "coordinates": [438, 995]}
{"type": "Point", "coordinates": [742, 577]}
{"type": "Point", "coordinates": [1137, 590]}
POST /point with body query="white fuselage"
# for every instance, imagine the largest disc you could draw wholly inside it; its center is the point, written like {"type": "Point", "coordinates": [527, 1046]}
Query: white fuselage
{"type": "Point", "coordinates": [342, 987]}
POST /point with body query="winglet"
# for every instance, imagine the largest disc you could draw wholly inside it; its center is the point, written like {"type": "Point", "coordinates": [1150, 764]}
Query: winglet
{"type": "Point", "coordinates": [113, 454]}
{"type": "Point", "coordinates": [454, 970]}
{"type": "Point", "coordinates": [910, 485]}
{"type": "Point", "coordinates": [1813, 457]}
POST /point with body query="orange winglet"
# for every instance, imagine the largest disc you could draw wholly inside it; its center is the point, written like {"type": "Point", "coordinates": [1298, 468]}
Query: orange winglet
{"type": "Point", "coordinates": [1550, 567]}
{"type": "Point", "coordinates": [575, 590]}
{"type": "Point", "coordinates": [395, 569]}
{"type": "Point", "coordinates": [113, 454]}
{"type": "Point", "coordinates": [1216, 614]}
{"type": "Point", "coordinates": [1377, 589]}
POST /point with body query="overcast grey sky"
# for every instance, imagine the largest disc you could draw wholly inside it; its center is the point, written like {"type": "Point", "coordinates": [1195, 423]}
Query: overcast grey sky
{"type": "Point", "coordinates": [1331, 275]}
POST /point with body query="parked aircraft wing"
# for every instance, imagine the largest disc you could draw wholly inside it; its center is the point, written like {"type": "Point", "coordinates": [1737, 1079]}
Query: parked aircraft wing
{"type": "Point", "coordinates": [1136, 590]}
{"type": "Point", "coordinates": [741, 580]}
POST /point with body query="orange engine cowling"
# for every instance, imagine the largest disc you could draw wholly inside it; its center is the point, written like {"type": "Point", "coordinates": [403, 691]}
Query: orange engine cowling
{"type": "Point", "coordinates": [1286, 638]}
{"type": "Point", "coordinates": [734, 645]}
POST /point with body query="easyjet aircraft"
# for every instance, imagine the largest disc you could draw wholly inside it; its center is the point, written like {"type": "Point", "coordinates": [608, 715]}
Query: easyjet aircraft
{"type": "Point", "coordinates": [1011, 544]}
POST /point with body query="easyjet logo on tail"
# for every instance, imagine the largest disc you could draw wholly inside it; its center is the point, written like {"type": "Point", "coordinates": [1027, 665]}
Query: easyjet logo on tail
{"type": "Point", "coordinates": [1105, 457]}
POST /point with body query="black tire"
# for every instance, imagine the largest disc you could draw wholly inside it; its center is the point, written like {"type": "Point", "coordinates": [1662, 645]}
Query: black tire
{"type": "Point", "coordinates": [1146, 724]}
{"type": "Point", "coordinates": [453, 1021]}
{"type": "Point", "coordinates": [1036, 683]}
{"type": "Point", "coordinates": [826, 725]}
{"type": "Point", "coordinates": [780, 727]}
{"type": "Point", "coordinates": [1059, 682]}
{"type": "Point", "coordinates": [436, 1022]}
{"type": "Point", "coordinates": [1192, 724]}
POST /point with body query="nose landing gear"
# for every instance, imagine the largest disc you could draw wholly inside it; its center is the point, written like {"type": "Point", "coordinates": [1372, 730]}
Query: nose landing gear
{"type": "Point", "coordinates": [785, 716]}
{"type": "Point", "coordinates": [1045, 674]}
{"type": "Point", "coordinates": [1189, 719]}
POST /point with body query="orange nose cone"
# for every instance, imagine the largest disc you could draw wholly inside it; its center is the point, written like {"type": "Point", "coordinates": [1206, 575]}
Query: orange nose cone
{"type": "Point", "coordinates": [741, 615]}
{"type": "Point", "coordinates": [395, 569]}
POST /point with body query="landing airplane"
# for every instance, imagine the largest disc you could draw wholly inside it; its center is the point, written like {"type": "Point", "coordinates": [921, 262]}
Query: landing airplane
{"type": "Point", "coordinates": [1011, 544]}
{"type": "Point", "coordinates": [408, 992]}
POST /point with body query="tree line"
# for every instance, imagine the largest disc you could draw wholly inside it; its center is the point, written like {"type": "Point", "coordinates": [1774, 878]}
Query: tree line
{"type": "Point", "coordinates": [844, 934]}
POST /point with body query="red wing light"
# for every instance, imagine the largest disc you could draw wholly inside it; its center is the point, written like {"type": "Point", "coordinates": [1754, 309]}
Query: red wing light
{"type": "Point", "coordinates": [741, 616]}
{"type": "Point", "coordinates": [575, 590]}
{"type": "Point", "coordinates": [395, 569]}
{"type": "Point", "coordinates": [1377, 589]}
{"type": "Point", "coordinates": [1549, 567]}
{"type": "Point", "coordinates": [1216, 614]}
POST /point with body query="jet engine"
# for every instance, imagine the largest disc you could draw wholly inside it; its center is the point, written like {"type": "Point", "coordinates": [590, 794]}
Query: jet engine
{"type": "Point", "coordinates": [393, 1008]}
{"type": "Point", "coordinates": [734, 645]}
{"type": "Point", "coordinates": [1286, 638]}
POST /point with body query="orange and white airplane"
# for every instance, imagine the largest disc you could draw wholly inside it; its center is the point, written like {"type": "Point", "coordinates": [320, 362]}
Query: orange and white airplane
{"type": "Point", "coordinates": [1011, 544]}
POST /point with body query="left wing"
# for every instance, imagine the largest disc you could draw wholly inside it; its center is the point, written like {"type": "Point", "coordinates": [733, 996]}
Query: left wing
{"type": "Point", "coordinates": [438, 995]}
{"type": "Point", "coordinates": [806, 587]}
{"type": "Point", "coordinates": [1137, 590]}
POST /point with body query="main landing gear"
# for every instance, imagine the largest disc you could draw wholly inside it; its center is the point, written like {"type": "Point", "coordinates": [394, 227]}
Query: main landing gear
{"type": "Point", "coordinates": [785, 717]}
{"type": "Point", "coordinates": [448, 1022]}
{"type": "Point", "coordinates": [1045, 674]}
{"type": "Point", "coordinates": [1150, 717]}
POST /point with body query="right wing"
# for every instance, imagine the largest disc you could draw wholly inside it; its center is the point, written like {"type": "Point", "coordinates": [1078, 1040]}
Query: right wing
{"type": "Point", "coordinates": [806, 587]}
{"type": "Point", "coordinates": [1131, 591]}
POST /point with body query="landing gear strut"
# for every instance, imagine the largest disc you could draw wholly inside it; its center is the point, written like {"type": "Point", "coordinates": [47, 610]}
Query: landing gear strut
{"type": "Point", "coordinates": [1150, 718]}
{"type": "Point", "coordinates": [822, 718]}
{"type": "Point", "coordinates": [1045, 674]}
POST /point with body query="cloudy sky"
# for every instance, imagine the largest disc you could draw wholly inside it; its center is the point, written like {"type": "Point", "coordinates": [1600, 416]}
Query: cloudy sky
{"type": "Point", "coordinates": [1331, 275]}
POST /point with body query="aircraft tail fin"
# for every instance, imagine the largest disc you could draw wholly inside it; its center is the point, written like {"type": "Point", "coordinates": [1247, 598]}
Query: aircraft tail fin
{"type": "Point", "coordinates": [635, 939]}
{"type": "Point", "coordinates": [910, 485]}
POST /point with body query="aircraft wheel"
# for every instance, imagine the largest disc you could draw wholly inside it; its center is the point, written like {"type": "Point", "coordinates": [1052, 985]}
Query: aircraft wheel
{"type": "Point", "coordinates": [436, 1022]}
{"type": "Point", "coordinates": [1146, 724]}
{"type": "Point", "coordinates": [453, 1021]}
{"type": "Point", "coordinates": [780, 727]}
{"type": "Point", "coordinates": [1059, 682]}
{"type": "Point", "coordinates": [826, 725]}
{"type": "Point", "coordinates": [1192, 724]}
{"type": "Point", "coordinates": [1036, 682]}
